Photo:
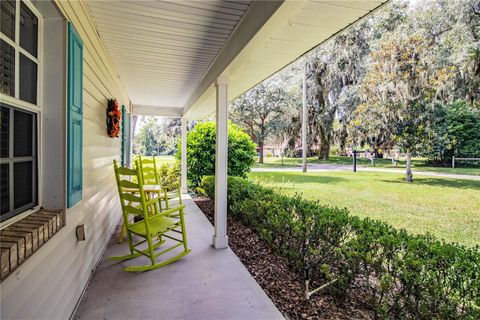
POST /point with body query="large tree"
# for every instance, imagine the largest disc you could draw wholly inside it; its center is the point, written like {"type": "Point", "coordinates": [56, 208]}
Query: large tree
{"type": "Point", "coordinates": [425, 55]}
{"type": "Point", "coordinates": [157, 136]}
{"type": "Point", "coordinates": [452, 28]}
{"type": "Point", "coordinates": [398, 92]}
{"type": "Point", "coordinates": [334, 71]}
{"type": "Point", "coordinates": [260, 112]}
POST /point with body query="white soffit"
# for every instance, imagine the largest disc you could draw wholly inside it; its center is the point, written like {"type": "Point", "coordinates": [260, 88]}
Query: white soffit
{"type": "Point", "coordinates": [162, 49]}
{"type": "Point", "coordinates": [295, 28]}
{"type": "Point", "coordinates": [157, 111]}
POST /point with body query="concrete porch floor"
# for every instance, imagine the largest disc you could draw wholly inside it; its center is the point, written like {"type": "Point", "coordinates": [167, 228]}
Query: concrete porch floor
{"type": "Point", "coordinates": [205, 284]}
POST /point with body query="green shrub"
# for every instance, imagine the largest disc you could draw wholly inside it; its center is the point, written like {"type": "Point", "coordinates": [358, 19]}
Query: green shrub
{"type": "Point", "coordinates": [453, 132]}
{"type": "Point", "coordinates": [404, 276]}
{"type": "Point", "coordinates": [201, 152]}
{"type": "Point", "coordinates": [169, 174]}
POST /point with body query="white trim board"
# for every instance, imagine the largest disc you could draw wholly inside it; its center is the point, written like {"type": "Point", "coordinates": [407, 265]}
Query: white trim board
{"type": "Point", "coordinates": [157, 111]}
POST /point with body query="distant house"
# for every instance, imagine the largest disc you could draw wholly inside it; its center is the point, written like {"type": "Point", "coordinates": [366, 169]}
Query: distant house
{"type": "Point", "coordinates": [273, 150]}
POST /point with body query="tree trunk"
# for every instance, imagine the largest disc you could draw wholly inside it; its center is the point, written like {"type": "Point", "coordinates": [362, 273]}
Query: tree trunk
{"type": "Point", "coordinates": [324, 152]}
{"type": "Point", "coordinates": [409, 176]}
{"type": "Point", "coordinates": [260, 151]}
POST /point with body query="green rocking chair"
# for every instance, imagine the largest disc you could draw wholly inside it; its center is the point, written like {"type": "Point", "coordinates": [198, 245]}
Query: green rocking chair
{"type": "Point", "coordinates": [148, 168]}
{"type": "Point", "coordinates": [153, 227]}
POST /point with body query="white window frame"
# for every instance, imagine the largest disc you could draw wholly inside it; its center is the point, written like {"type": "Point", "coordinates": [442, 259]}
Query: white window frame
{"type": "Point", "coordinates": [27, 106]}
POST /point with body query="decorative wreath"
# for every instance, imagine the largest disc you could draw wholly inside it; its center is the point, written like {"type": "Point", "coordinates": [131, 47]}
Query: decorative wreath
{"type": "Point", "coordinates": [113, 118]}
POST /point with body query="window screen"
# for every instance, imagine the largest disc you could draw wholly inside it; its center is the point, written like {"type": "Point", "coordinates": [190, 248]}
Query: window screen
{"type": "Point", "coordinates": [18, 162]}
{"type": "Point", "coordinates": [19, 51]}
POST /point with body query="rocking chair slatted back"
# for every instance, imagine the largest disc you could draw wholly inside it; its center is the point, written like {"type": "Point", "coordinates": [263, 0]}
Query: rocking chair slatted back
{"type": "Point", "coordinates": [126, 171]}
{"type": "Point", "coordinates": [148, 168]}
{"type": "Point", "coordinates": [128, 184]}
{"type": "Point", "coordinates": [132, 195]}
{"type": "Point", "coordinates": [150, 175]}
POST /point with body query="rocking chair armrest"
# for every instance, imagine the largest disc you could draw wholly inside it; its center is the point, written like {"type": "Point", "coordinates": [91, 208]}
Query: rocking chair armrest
{"type": "Point", "coordinates": [174, 209]}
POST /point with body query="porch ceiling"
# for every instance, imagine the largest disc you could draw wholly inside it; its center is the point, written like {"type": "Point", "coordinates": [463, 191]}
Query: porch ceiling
{"type": "Point", "coordinates": [169, 54]}
{"type": "Point", "coordinates": [163, 48]}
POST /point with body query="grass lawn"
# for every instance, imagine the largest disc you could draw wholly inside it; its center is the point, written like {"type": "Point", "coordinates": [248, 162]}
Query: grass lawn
{"type": "Point", "coordinates": [447, 208]}
{"type": "Point", "coordinates": [160, 159]}
{"type": "Point", "coordinates": [417, 164]}
{"type": "Point", "coordinates": [165, 159]}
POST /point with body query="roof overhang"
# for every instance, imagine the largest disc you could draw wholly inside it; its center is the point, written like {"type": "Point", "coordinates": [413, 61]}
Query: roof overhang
{"type": "Point", "coordinates": [292, 30]}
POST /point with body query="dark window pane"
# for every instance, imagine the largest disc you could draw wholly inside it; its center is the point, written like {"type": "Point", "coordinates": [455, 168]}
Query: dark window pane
{"type": "Point", "coordinates": [4, 131]}
{"type": "Point", "coordinates": [22, 134]}
{"type": "Point", "coordinates": [22, 184]}
{"type": "Point", "coordinates": [28, 80]}
{"type": "Point", "coordinates": [4, 194]}
{"type": "Point", "coordinates": [8, 18]}
{"type": "Point", "coordinates": [28, 30]}
{"type": "Point", "coordinates": [7, 69]}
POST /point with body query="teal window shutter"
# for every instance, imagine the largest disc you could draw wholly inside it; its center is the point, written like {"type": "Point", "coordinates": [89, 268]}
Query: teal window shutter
{"type": "Point", "coordinates": [74, 117]}
{"type": "Point", "coordinates": [125, 137]}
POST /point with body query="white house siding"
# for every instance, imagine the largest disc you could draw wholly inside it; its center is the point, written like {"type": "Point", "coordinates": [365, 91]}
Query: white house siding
{"type": "Point", "coordinates": [49, 284]}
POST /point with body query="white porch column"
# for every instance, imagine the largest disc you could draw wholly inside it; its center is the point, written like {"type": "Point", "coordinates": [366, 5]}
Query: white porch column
{"type": "Point", "coordinates": [220, 239]}
{"type": "Point", "coordinates": [304, 120]}
{"type": "Point", "coordinates": [183, 182]}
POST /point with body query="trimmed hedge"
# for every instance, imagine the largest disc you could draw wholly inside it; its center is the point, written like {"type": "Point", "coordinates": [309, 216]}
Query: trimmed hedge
{"type": "Point", "coordinates": [403, 275]}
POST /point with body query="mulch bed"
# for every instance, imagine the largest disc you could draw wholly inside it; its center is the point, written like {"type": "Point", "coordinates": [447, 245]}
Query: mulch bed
{"type": "Point", "coordinates": [280, 283]}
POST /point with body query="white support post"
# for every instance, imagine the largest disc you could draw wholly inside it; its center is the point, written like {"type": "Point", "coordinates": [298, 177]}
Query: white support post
{"type": "Point", "coordinates": [220, 239]}
{"type": "Point", "coordinates": [304, 120]}
{"type": "Point", "coordinates": [183, 181]}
